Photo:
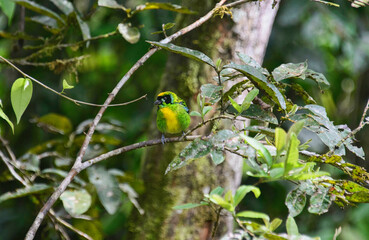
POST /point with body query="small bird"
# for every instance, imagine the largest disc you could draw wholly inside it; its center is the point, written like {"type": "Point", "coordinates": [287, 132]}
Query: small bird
{"type": "Point", "coordinates": [172, 115]}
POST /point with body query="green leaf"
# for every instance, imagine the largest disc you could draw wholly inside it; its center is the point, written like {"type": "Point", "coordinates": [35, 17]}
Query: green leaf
{"type": "Point", "coordinates": [280, 140]}
{"type": "Point", "coordinates": [221, 202]}
{"type": "Point", "coordinates": [44, 20]}
{"type": "Point", "coordinates": [217, 191]}
{"type": "Point", "coordinates": [212, 92]}
{"type": "Point", "coordinates": [107, 188]}
{"type": "Point", "coordinates": [262, 151]}
{"type": "Point", "coordinates": [189, 205]}
{"type": "Point", "coordinates": [110, 4]}
{"type": "Point", "coordinates": [55, 123]}
{"type": "Point", "coordinates": [66, 85]}
{"type": "Point", "coordinates": [356, 193]}
{"type": "Point", "coordinates": [217, 156]}
{"type": "Point", "coordinates": [21, 94]}
{"type": "Point", "coordinates": [228, 196]}
{"type": "Point", "coordinates": [290, 70]}
{"type": "Point", "coordinates": [8, 7]}
{"type": "Point", "coordinates": [5, 117]}
{"type": "Point", "coordinates": [252, 214]}
{"type": "Point", "coordinates": [22, 192]}
{"type": "Point", "coordinates": [249, 60]}
{"type": "Point", "coordinates": [319, 78]}
{"type": "Point", "coordinates": [292, 155]}
{"type": "Point", "coordinates": [193, 54]}
{"type": "Point", "coordinates": [130, 34]}
{"type": "Point", "coordinates": [295, 128]}
{"type": "Point", "coordinates": [320, 201]}
{"type": "Point", "coordinates": [85, 30]}
{"type": "Point", "coordinates": [40, 9]}
{"type": "Point", "coordinates": [164, 6]}
{"type": "Point", "coordinates": [291, 227]}
{"type": "Point", "coordinates": [249, 98]}
{"type": "Point", "coordinates": [196, 149]}
{"type": "Point", "coordinates": [195, 114]}
{"type": "Point", "coordinates": [261, 82]}
{"type": "Point", "coordinates": [275, 224]}
{"type": "Point", "coordinates": [235, 105]}
{"type": "Point", "coordinates": [295, 202]}
{"type": "Point", "coordinates": [168, 26]}
{"type": "Point", "coordinates": [64, 5]}
{"type": "Point", "coordinates": [242, 191]}
{"type": "Point", "coordinates": [206, 109]}
{"type": "Point", "coordinates": [76, 202]}
{"type": "Point", "coordinates": [257, 113]}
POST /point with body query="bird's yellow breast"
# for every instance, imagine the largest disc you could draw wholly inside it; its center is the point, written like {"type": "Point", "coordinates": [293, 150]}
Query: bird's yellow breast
{"type": "Point", "coordinates": [171, 120]}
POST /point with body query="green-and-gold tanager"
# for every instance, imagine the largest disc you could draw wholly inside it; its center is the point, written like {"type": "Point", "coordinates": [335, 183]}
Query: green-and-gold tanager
{"type": "Point", "coordinates": [172, 116]}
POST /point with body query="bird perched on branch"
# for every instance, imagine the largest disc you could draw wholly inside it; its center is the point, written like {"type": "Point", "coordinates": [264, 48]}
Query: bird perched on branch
{"type": "Point", "coordinates": [172, 115]}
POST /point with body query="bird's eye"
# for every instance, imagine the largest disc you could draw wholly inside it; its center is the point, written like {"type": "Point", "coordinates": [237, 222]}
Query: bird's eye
{"type": "Point", "coordinates": [167, 99]}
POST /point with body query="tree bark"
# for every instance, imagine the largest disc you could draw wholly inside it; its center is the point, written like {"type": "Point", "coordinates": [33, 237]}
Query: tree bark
{"type": "Point", "coordinates": [248, 33]}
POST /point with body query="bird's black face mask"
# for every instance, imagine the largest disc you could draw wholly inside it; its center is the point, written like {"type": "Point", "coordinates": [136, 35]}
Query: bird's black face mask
{"type": "Point", "coordinates": [166, 98]}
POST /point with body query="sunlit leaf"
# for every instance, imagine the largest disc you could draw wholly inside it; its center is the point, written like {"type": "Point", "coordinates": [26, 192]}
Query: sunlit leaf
{"type": "Point", "coordinates": [22, 192]}
{"type": "Point", "coordinates": [275, 224]}
{"type": "Point", "coordinates": [242, 191]}
{"type": "Point", "coordinates": [221, 202]}
{"type": "Point", "coordinates": [64, 5]}
{"type": "Point", "coordinates": [292, 155]}
{"type": "Point", "coordinates": [295, 202]}
{"type": "Point", "coordinates": [130, 34]}
{"type": "Point", "coordinates": [249, 98]}
{"type": "Point", "coordinates": [21, 94]}
{"type": "Point", "coordinates": [107, 188]}
{"type": "Point", "coordinates": [193, 54]}
{"type": "Point", "coordinates": [66, 85]}
{"type": "Point", "coordinates": [280, 139]}
{"type": "Point", "coordinates": [76, 202]}
{"type": "Point", "coordinates": [252, 214]}
{"type": "Point", "coordinates": [291, 227]}
{"type": "Point", "coordinates": [235, 105]}
{"type": "Point", "coordinates": [262, 151]}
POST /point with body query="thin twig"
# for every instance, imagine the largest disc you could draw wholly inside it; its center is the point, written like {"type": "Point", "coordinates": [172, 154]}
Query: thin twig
{"type": "Point", "coordinates": [11, 169]}
{"type": "Point", "coordinates": [78, 162]}
{"type": "Point", "coordinates": [77, 102]}
{"type": "Point", "coordinates": [216, 224]}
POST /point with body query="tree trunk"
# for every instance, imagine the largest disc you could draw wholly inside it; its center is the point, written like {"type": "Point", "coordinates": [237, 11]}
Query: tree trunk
{"type": "Point", "coordinates": [248, 33]}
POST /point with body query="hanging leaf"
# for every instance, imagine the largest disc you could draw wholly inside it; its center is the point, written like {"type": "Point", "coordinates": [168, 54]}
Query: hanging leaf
{"type": "Point", "coordinates": [5, 117]}
{"type": "Point", "coordinates": [221, 202]}
{"type": "Point", "coordinates": [21, 94]}
{"type": "Point", "coordinates": [76, 202]}
{"type": "Point", "coordinates": [66, 85]}
{"type": "Point", "coordinates": [107, 188]}
{"type": "Point", "coordinates": [85, 30]}
{"type": "Point", "coordinates": [261, 82]}
{"type": "Point", "coordinates": [242, 191]}
{"type": "Point", "coordinates": [193, 54]}
{"type": "Point", "coordinates": [130, 34]}
{"type": "Point", "coordinates": [40, 9]}
{"type": "Point", "coordinates": [8, 8]}
{"type": "Point", "coordinates": [64, 5]}
{"type": "Point", "coordinates": [295, 202]}
{"type": "Point", "coordinates": [22, 192]}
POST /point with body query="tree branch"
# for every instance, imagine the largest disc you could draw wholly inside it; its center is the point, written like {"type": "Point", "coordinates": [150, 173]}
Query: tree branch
{"type": "Point", "coordinates": [78, 165]}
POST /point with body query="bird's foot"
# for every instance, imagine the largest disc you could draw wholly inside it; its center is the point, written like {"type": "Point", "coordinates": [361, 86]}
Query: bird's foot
{"type": "Point", "coordinates": [162, 139]}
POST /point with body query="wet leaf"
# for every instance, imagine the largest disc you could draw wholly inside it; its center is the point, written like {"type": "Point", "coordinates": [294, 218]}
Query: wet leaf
{"type": "Point", "coordinates": [130, 34]}
{"type": "Point", "coordinates": [76, 202]}
{"type": "Point", "coordinates": [295, 202]}
{"type": "Point", "coordinates": [196, 149]}
{"type": "Point", "coordinates": [55, 123]}
{"type": "Point", "coordinates": [107, 188]}
{"type": "Point", "coordinates": [21, 94]}
{"type": "Point", "coordinates": [212, 92]}
{"type": "Point", "coordinates": [261, 82]}
{"type": "Point", "coordinates": [22, 192]}
{"type": "Point", "coordinates": [193, 54]}
{"type": "Point", "coordinates": [290, 70]}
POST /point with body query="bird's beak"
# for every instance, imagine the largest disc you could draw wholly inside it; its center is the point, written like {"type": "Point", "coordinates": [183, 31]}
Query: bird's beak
{"type": "Point", "coordinates": [157, 102]}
